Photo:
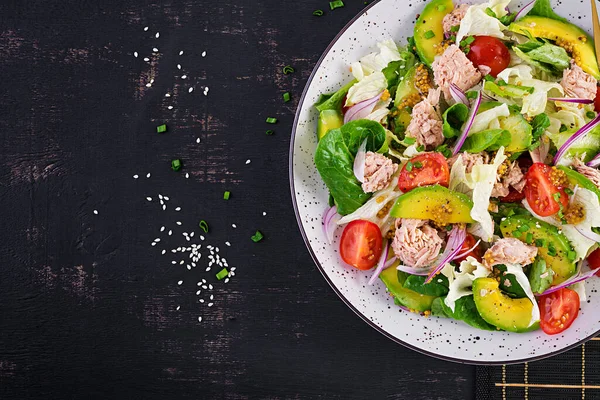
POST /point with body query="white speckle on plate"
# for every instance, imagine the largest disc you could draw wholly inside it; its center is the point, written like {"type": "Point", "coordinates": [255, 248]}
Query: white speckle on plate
{"type": "Point", "coordinates": [167, 94]}
{"type": "Point", "coordinates": [190, 90]}
{"type": "Point", "coordinates": [135, 54]}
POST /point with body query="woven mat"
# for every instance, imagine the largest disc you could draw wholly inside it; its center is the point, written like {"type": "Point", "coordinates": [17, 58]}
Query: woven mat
{"type": "Point", "coordinates": [571, 375]}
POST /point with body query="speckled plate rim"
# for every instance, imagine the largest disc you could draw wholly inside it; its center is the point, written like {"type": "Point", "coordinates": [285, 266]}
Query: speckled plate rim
{"type": "Point", "coordinates": [322, 270]}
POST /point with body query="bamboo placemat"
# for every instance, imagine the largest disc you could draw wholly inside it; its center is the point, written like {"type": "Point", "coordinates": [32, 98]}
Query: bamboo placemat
{"type": "Point", "coordinates": [571, 375]}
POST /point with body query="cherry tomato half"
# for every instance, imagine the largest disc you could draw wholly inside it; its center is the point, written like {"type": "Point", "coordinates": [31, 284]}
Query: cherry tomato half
{"type": "Point", "coordinates": [543, 197]}
{"type": "Point", "coordinates": [491, 52]}
{"type": "Point", "coordinates": [513, 196]}
{"type": "Point", "coordinates": [424, 170]}
{"type": "Point", "coordinates": [468, 244]}
{"type": "Point", "coordinates": [558, 310]}
{"type": "Point", "coordinates": [361, 244]}
{"type": "Point", "coordinates": [594, 260]}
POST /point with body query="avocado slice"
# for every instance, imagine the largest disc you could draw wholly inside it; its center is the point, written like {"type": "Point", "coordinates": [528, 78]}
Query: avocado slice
{"type": "Point", "coordinates": [407, 87]}
{"type": "Point", "coordinates": [513, 315]}
{"type": "Point", "coordinates": [394, 281]}
{"type": "Point", "coordinates": [553, 247]}
{"type": "Point", "coordinates": [521, 132]}
{"type": "Point", "coordinates": [577, 179]}
{"type": "Point", "coordinates": [436, 203]}
{"type": "Point", "coordinates": [508, 90]}
{"type": "Point", "coordinates": [567, 35]}
{"type": "Point", "coordinates": [430, 23]}
{"type": "Point", "coordinates": [328, 120]}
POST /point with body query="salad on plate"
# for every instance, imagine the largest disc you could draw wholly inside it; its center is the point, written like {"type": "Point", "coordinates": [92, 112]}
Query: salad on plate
{"type": "Point", "coordinates": [462, 166]}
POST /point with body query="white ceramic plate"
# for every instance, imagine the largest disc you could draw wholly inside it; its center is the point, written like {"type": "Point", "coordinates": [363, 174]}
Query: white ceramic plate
{"type": "Point", "coordinates": [443, 338]}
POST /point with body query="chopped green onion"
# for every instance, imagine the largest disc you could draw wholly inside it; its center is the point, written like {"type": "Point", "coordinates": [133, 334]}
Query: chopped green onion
{"type": "Point", "coordinates": [569, 192]}
{"type": "Point", "coordinates": [590, 114]}
{"type": "Point", "coordinates": [455, 29]}
{"type": "Point", "coordinates": [336, 4]}
{"type": "Point", "coordinates": [204, 226]}
{"type": "Point", "coordinates": [490, 12]}
{"type": "Point", "coordinates": [551, 250]}
{"type": "Point", "coordinates": [161, 128]}
{"type": "Point", "coordinates": [271, 120]}
{"type": "Point", "coordinates": [429, 35]}
{"type": "Point", "coordinates": [571, 255]}
{"type": "Point", "coordinates": [516, 233]}
{"type": "Point", "coordinates": [524, 228]}
{"type": "Point", "coordinates": [489, 78]}
{"type": "Point", "coordinates": [471, 94]}
{"type": "Point", "coordinates": [226, 195]}
{"type": "Point", "coordinates": [318, 13]}
{"type": "Point", "coordinates": [288, 69]}
{"type": "Point", "coordinates": [563, 128]}
{"type": "Point", "coordinates": [222, 274]}
{"type": "Point", "coordinates": [441, 7]}
{"type": "Point", "coordinates": [444, 150]}
{"type": "Point", "coordinates": [176, 165]}
{"type": "Point", "coordinates": [410, 140]}
{"type": "Point", "coordinates": [409, 166]}
{"type": "Point", "coordinates": [448, 228]}
{"type": "Point", "coordinates": [540, 242]}
{"type": "Point", "coordinates": [502, 82]}
{"type": "Point", "coordinates": [286, 97]}
{"type": "Point", "coordinates": [529, 238]}
{"type": "Point", "coordinates": [257, 237]}
{"type": "Point", "coordinates": [270, 132]}
{"type": "Point", "coordinates": [418, 164]}
{"type": "Point", "coordinates": [421, 148]}
{"type": "Point", "coordinates": [556, 197]}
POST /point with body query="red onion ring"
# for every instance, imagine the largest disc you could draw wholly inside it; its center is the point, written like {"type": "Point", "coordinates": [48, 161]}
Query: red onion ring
{"type": "Point", "coordinates": [359, 162]}
{"type": "Point", "coordinates": [464, 253]}
{"type": "Point", "coordinates": [381, 263]}
{"type": "Point", "coordinates": [578, 278]}
{"type": "Point", "coordinates": [415, 271]}
{"type": "Point", "coordinates": [594, 162]}
{"type": "Point", "coordinates": [525, 10]}
{"type": "Point", "coordinates": [571, 100]}
{"type": "Point", "coordinates": [330, 218]}
{"type": "Point", "coordinates": [391, 262]}
{"type": "Point", "coordinates": [456, 239]}
{"type": "Point", "coordinates": [469, 125]}
{"type": "Point", "coordinates": [458, 95]}
{"type": "Point", "coordinates": [362, 109]}
{"type": "Point", "coordinates": [588, 234]}
{"type": "Point", "coordinates": [579, 134]}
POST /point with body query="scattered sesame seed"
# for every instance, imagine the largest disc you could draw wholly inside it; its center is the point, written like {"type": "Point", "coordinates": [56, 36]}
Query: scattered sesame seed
{"type": "Point", "coordinates": [173, 262]}
{"type": "Point", "coordinates": [164, 207]}
{"type": "Point", "coordinates": [192, 234]}
{"type": "Point", "coordinates": [201, 300]}
{"type": "Point", "coordinates": [162, 228]}
{"type": "Point", "coordinates": [178, 209]}
{"type": "Point", "coordinates": [226, 280]}
{"type": "Point", "coordinates": [149, 198]}
{"type": "Point", "coordinates": [178, 307]}
{"type": "Point", "coordinates": [210, 304]}
{"type": "Point", "coordinates": [164, 252]}
{"type": "Point", "coordinates": [178, 223]}
{"type": "Point", "coordinates": [157, 240]}
{"type": "Point", "coordinates": [183, 76]}
{"type": "Point", "coordinates": [170, 232]}
{"type": "Point", "coordinates": [228, 244]}
{"type": "Point", "coordinates": [198, 140]}
{"type": "Point", "coordinates": [135, 54]}
{"type": "Point", "coordinates": [248, 161]}
{"type": "Point", "coordinates": [157, 35]}
{"type": "Point", "coordinates": [198, 293]}
{"type": "Point", "coordinates": [207, 269]}
{"type": "Point", "coordinates": [178, 66]}
{"type": "Point", "coordinates": [211, 288]}
{"type": "Point", "coordinates": [204, 54]}
{"type": "Point", "coordinates": [154, 49]}
{"type": "Point", "coordinates": [264, 213]}
{"type": "Point", "coordinates": [187, 175]}
{"type": "Point", "coordinates": [180, 282]}
{"type": "Point", "coordinates": [212, 297]}
{"type": "Point", "coordinates": [146, 59]}
{"type": "Point", "coordinates": [170, 107]}
{"type": "Point", "coordinates": [148, 175]}
{"type": "Point", "coordinates": [136, 176]}
{"type": "Point", "coordinates": [181, 53]}
{"type": "Point", "coordinates": [148, 84]}
{"type": "Point", "coordinates": [233, 226]}
{"type": "Point", "coordinates": [190, 90]}
{"type": "Point", "coordinates": [96, 212]}
{"type": "Point", "coordinates": [199, 319]}
{"type": "Point", "coordinates": [167, 94]}
{"type": "Point", "coordinates": [188, 267]}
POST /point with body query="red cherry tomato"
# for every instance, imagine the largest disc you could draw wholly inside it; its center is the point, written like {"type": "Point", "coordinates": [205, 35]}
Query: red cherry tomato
{"type": "Point", "coordinates": [513, 197]}
{"type": "Point", "coordinates": [424, 170]}
{"type": "Point", "coordinates": [361, 244]}
{"type": "Point", "coordinates": [491, 52]}
{"type": "Point", "coordinates": [558, 310]}
{"type": "Point", "coordinates": [594, 260]}
{"type": "Point", "coordinates": [468, 244]}
{"type": "Point", "coordinates": [543, 197]}
{"type": "Point", "coordinates": [597, 101]}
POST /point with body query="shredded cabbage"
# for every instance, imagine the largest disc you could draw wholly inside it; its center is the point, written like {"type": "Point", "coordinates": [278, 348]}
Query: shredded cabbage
{"type": "Point", "coordinates": [366, 89]}
{"type": "Point", "coordinates": [478, 23]}
{"type": "Point", "coordinates": [375, 62]}
{"type": "Point", "coordinates": [461, 281]}
{"type": "Point", "coordinates": [579, 287]}
{"type": "Point", "coordinates": [478, 184]}
{"type": "Point", "coordinates": [489, 119]}
{"type": "Point", "coordinates": [523, 281]}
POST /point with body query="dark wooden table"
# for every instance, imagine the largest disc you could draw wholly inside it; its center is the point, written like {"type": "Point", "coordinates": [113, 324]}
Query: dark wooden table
{"type": "Point", "coordinates": [88, 307]}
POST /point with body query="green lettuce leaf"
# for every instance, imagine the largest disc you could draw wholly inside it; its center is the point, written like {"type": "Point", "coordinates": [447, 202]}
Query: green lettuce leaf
{"type": "Point", "coordinates": [333, 101]}
{"type": "Point", "coordinates": [543, 8]}
{"type": "Point", "coordinates": [334, 159]}
{"type": "Point", "coordinates": [491, 139]}
{"type": "Point", "coordinates": [454, 118]}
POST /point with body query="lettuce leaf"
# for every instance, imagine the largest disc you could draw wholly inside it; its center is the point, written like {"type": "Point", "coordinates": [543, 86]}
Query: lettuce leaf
{"type": "Point", "coordinates": [543, 8]}
{"type": "Point", "coordinates": [376, 62]}
{"type": "Point", "coordinates": [544, 55]}
{"type": "Point", "coordinates": [333, 101]}
{"type": "Point", "coordinates": [491, 140]}
{"type": "Point", "coordinates": [396, 70]}
{"type": "Point", "coordinates": [517, 271]}
{"type": "Point", "coordinates": [334, 159]}
{"type": "Point", "coordinates": [461, 281]}
{"type": "Point", "coordinates": [489, 119]}
{"type": "Point", "coordinates": [454, 118]}
{"type": "Point", "coordinates": [366, 89]}
{"type": "Point", "coordinates": [477, 22]}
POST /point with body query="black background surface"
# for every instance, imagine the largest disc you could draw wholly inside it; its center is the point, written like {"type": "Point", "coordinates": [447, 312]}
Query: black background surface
{"type": "Point", "coordinates": [87, 305]}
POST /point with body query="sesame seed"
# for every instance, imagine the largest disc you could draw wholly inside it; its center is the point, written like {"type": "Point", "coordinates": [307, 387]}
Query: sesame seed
{"type": "Point", "coordinates": [264, 213]}
{"type": "Point", "coordinates": [178, 222]}
{"type": "Point", "coordinates": [201, 300]}
{"type": "Point", "coordinates": [204, 54]}
{"type": "Point", "coordinates": [187, 175]}
{"type": "Point", "coordinates": [188, 267]}
{"type": "Point", "coordinates": [145, 28]}
{"type": "Point", "coordinates": [164, 252]}
{"type": "Point", "coordinates": [155, 50]}
{"type": "Point", "coordinates": [164, 207]}
{"type": "Point", "coordinates": [181, 53]}
{"type": "Point", "coordinates": [226, 280]}
{"type": "Point", "coordinates": [149, 198]}
{"type": "Point", "coordinates": [170, 232]}
{"type": "Point", "coordinates": [190, 90]}
{"type": "Point", "coordinates": [162, 228]}
{"type": "Point", "coordinates": [148, 175]}
{"type": "Point", "coordinates": [233, 226]}
{"type": "Point", "coordinates": [198, 140]}
{"type": "Point", "coordinates": [178, 209]}
{"type": "Point", "coordinates": [210, 304]}
{"type": "Point", "coordinates": [178, 307]}
{"type": "Point", "coordinates": [248, 161]}
{"type": "Point", "coordinates": [170, 107]}
{"type": "Point", "coordinates": [192, 234]}
{"type": "Point", "coordinates": [167, 198]}
{"type": "Point", "coordinates": [210, 287]}
{"type": "Point", "coordinates": [199, 319]}
{"type": "Point", "coordinates": [136, 176]}
{"type": "Point", "coordinates": [228, 244]}
{"type": "Point", "coordinates": [180, 282]}
{"type": "Point", "coordinates": [207, 269]}
{"type": "Point", "coordinates": [167, 94]}
{"type": "Point", "coordinates": [157, 240]}
{"type": "Point", "coordinates": [178, 66]}
{"type": "Point", "coordinates": [146, 59]}
{"type": "Point", "coordinates": [157, 35]}
{"type": "Point", "coordinates": [173, 262]}
{"type": "Point", "coordinates": [212, 297]}
{"type": "Point", "coordinates": [153, 244]}
{"type": "Point", "coordinates": [96, 212]}
{"type": "Point", "coordinates": [135, 54]}
{"type": "Point", "coordinates": [148, 84]}
{"type": "Point", "coordinates": [183, 76]}
{"type": "Point", "coordinates": [198, 293]}
{"type": "Point", "coordinates": [160, 196]}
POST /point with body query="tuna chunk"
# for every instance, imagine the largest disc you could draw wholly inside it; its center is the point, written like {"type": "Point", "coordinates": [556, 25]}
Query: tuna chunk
{"type": "Point", "coordinates": [416, 243]}
{"type": "Point", "coordinates": [509, 251]}
{"type": "Point", "coordinates": [378, 172]}
{"type": "Point", "coordinates": [578, 84]}
{"type": "Point", "coordinates": [514, 177]}
{"type": "Point", "coordinates": [453, 19]}
{"type": "Point", "coordinates": [470, 160]}
{"type": "Point", "coordinates": [454, 67]}
{"type": "Point", "coordinates": [591, 173]}
{"type": "Point", "coordinates": [426, 123]}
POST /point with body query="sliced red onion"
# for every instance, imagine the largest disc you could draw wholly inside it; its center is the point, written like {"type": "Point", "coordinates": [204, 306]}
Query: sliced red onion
{"type": "Point", "coordinates": [456, 239]}
{"type": "Point", "coordinates": [330, 219]}
{"type": "Point", "coordinates": [359, 162]}
{"type": "Point", "coordinates": [487, 97]}
{"type": "Point", "coordinates": [464, 253]}
{"type": "Point", "coordinates": [595, 162]}
{"type": "Point", "coordinates": [415, 271]}
{"type": "Point", "coordinates": [458, 95]}
{"type": "Point", "coordinates": [391, 262]}
{"type": "Point", "coordinates": [382, 262]}
{"type": "Point", "coordinates": [579, 134]}
{"type": "Point", "coordinates": [362, 109]}
{"type": "Point", "coordinates": [525, 10]}
{"type": "Point", "coordinates": [403, 308]}
{"type": "Point", "coordinates": [468, 125]}
{"type": "Point", "coordinates": [588, 234]}
{"type": "Point", "coordinates": [571, 100]}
